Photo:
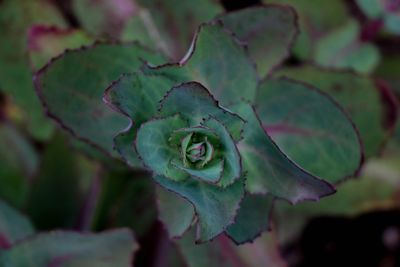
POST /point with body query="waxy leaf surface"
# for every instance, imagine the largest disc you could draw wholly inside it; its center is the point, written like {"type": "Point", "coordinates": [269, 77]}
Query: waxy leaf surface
{"type": "Point", "coordinates": [215, 206]}
{"type": "Point", "coordinates": [358, 95]}
{"type": "Point", "coordinates": [252, 219]}
{"type": "Point", "coordinates": [71, 89]}
{"type": "Point", "coordinates": [218, 62]}
{"type": "Point", "coordinates": [268, 31]}
{"type": "Point", "coordinates": [268, 170]}
{"type": "Point", "coordinates": [310, 128]}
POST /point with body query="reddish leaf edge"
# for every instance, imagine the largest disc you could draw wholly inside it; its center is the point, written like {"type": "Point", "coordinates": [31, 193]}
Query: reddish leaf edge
{"type": "Point", "coordinates": [38, 87]}
{"type": "Point", "coordinates": [361, 161]}
{"type": "Point", "coordinates": [387, 96]}
{"type": "Point", "coordinates": [293, 38]}
{"type": "Point", "coordinates": [266, 228]}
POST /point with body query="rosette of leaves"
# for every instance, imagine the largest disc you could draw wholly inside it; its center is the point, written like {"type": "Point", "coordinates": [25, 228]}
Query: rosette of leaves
{"type": "Point", "coordinates": [201, 150]}
{"type": "Point", "coordinates": [202, 125]}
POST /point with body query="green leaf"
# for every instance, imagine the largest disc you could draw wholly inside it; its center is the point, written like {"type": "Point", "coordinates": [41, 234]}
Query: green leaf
{"type": "Point", "coordinates": [165, 26]}
{"type": "Point", "coordinates": [71, 89]}
{"type": "Point", "coordinates": [196, 103]}
{"type": "Point", "coordinates": [104, 18]}
{"type": "Point", "coordinates": [269, 32]}
{"type": "Point", "coordinates": [309, 128]}
{"type": "Point", "coordinates": [269, 170]}
{"type": "Point", "coordinates": [13, 226]}
{"type": "Point", "coordinates": [252, 219]}
{"type": "Point", "coordinates": [211, 173]}
{"type": "Point", "coordinates": [61, 248]}
{"type": "Point", "coordinates": [46, 42]}
{"type": "Point", "coordinates": [315, 21]}
{"type": "Point", "coordinates": [342, 48]}
{"type": "Point", "coordinates": [358, 94]}
{"type": "Point", "coordinates": [136, 96]}
{"type": "Point", "coordinates": [216, 61]}
{"type": "Point", "coordinates": [215, 206]}
{"type": "Point", "coordinates": [19, 162]}
{"type": "Point", "coordinates": [176, 213]}
{"type": "Point", "coordinates": [154, 148]}
{"type": "Point", "coordinates": [229, 152]}
{"type": "Point", "coordinates": [15, 75]}
{"type": "Point", "coordinates": [372, 8]}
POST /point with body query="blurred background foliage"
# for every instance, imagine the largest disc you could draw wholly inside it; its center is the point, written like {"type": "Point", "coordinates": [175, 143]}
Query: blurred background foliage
{"type": "Point", "coordinates": [350, 49]}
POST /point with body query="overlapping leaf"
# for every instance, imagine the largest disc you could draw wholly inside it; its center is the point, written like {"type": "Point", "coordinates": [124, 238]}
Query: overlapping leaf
{"type": "Point", "coordinates": [169, 25]}
{"type": "Point", "coordinates": [176, 213]}
{"type": "Point", "coordinates": [71, 89]}
{"type": "Point", "coordinates": [252, 219]}
{"type": "Point", "coordinates": [360, 97]}
{"type": "Point", "coordinates": [310, 128]}
{"type": "Point", "coordinates": [215, 207]}
{"type": "Point", "coordinates": [268, 31]}
{"type": "Point", "coordinates": [269, 170]}
{"type": "Point", "coordinates": [218, 62]}
{"type": "Point", "coordinates": [343, 48]}
{"type": "Point", "coordinates": [315, 21]}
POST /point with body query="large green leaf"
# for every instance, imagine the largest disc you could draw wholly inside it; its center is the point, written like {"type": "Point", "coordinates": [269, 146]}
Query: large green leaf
{"type": "Point", "coordinates": [252, 219]}
{"type": "Point", "coordinates": [309, 128]}
{"type": "Point", "coordinates": [170, 25]}
{"type": "Point", "coordinates": [13, 226]}
{"type": "Point", "coordinates": [358, 94]}
{"type": "Point", "coordinates": [269, 170]}
{"type": "Point", "coordinates": [15, 76]}
{"type": "Point", "coordinates": [18, 164]}
{"type": "Point", "coordinates": [269, 32]}
{"type": "Point", "coordinates": [342, 48]}
{"type": "Point", "coordinates": [215, 207]}
{"type": "Point", "coordinates": [71, 249]}
{"type": "Point", "coordinates": [71, 89]}
{"type": "Point", "coordinates": [216, 61]}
